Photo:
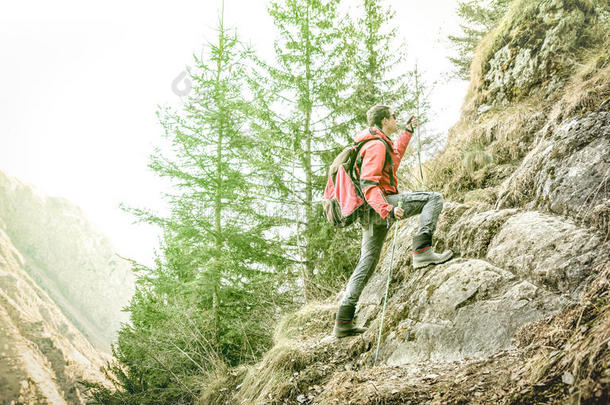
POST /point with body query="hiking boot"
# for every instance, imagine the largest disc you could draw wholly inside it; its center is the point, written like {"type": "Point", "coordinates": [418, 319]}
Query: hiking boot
{"type": "Point", "coordinates": [426, 257]}
{"type": "Point", "coordinates": [344, 324]}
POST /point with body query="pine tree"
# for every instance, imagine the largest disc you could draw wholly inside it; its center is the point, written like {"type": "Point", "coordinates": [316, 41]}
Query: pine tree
{"type": "Point", "coordinates": [302, 118]}
{"type": "Point", "coordinates": [379, 73]}
{"type": "Point", "coordinates": [217, 232]}
{"type": "Point", "coordinates": [219, 280]}
{"type": "Point", "coordinates": [478, 17]}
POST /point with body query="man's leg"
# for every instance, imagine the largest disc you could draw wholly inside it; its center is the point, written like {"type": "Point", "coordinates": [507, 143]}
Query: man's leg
{"type": "Point", "coordinates": [373, 236]}
{"type": "Point", "coordinates": [429, 205]}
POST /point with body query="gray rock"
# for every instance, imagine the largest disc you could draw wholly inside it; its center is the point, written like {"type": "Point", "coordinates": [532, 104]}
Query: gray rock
{"type": "Point", "coordinates": [471, 234]}
{"type": "Point", "coordinates": [462, 309]}
{"type": "Point", "coordinates": [530, 58]}
{"type": "Point", "coordinates": [522, 267]}
{"type": "Point", "coordinates": [566, 173]}
{"type": "Point", "coordinates": [547, 251]}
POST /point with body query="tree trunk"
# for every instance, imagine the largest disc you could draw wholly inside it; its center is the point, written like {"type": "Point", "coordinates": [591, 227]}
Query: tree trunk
{"type": "Point", "coordinates": [217, 197]}
{"type": "Point", "coordinates": [308, 103]}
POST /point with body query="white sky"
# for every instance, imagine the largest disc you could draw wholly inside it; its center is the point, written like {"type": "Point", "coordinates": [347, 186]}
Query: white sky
{"type": "Point", "coordinates": [80, 82]}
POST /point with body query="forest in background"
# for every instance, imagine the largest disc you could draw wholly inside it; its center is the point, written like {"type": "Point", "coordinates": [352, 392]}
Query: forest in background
{"type": "Point", "coordinates": [246, 240]}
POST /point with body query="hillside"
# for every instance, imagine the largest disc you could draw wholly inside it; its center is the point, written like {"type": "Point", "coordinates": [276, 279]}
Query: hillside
{"type": "Point", "coordinates": [42, 355]}
{"type": "Point", "coordinates": [69, 258]}
{"type": "Point", "coordinates": [62, 289]}
{"type": "Point", "coordinates": [521, 314]}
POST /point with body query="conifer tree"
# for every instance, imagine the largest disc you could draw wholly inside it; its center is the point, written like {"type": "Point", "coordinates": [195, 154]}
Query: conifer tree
{"type": "Point", "coordinates": [478, 17]}
{"type": "Point", "coordinates": [218, 229]}
{"type": "Point", "coordinates": [328, 73]}
{"type": "Point", "coordinates": [381, 75]}
{"type": "Point", "coordinates": [301, 119]}
{"type": "Point", "coordinates": [219, 280]}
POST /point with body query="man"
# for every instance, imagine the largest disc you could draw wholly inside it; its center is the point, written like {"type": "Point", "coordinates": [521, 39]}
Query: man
{"type": "Point", "coordinates": [381, 194]}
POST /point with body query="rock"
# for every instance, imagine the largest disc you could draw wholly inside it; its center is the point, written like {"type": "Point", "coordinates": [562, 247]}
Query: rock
{"type": "Point", "coordinates": [464, 308]}
{"type": "Point", "coordinates": [567, 378]}
{"type": "Point", "coordinates": [547, 251]}
{"type": "Point", "coordinates": [471, 233]}
{"type": "Point", "coordinates": [69, 258]}
{"type": "Point", "coordinates": [533, 52]}
{"type": "Point", "coordinates": [566, 173]}
{"type": "Point", "coordinates": [518, 267]}
{"type": "Point", "coordinates": [483, 109]}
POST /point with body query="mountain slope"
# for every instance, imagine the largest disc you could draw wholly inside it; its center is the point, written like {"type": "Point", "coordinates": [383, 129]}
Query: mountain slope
{"type": "Point", "coordinates": [69, 258]}
{"type": "Point", "coordinates": [42, 355]}
{"type": "Point", "coordinates": [521, 314]}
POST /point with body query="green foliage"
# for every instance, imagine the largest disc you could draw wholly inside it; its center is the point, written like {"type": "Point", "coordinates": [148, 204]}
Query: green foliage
{"type": "Point", "coordinates": [301, 119]}
{"type": "Point", "coordinates": [247, 157]}
{"type": "Point", "coordinates": [221, 277]}
{"type": "Point", "coordinates": [329, 71]}
{"type": "Point", "coordinates": [377, 55]}
{"type": "Point", "coordinates": [475, 157]}
{"type": "Point", "coordinates": [478, 17]}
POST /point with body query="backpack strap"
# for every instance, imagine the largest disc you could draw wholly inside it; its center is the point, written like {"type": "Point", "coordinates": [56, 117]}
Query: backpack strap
{"type": "Point", "coordinates": [357, 161]}
{"type": "Point", "coordinates": [388, 156]}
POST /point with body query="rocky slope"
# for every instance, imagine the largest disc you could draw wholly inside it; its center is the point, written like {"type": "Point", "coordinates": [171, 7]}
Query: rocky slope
{"type": "Point", "coordinates": [69, 258]}
{"type": "Point", "coordinates": [62, 289]}
{"type": "Point", "coordinates": [42, 355]}
{"type": "Point", "coordinates": [522, 314]}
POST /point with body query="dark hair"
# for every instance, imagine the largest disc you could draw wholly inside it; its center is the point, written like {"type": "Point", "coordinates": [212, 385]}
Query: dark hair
{"type": "Point", "coordinates": [376, 114]}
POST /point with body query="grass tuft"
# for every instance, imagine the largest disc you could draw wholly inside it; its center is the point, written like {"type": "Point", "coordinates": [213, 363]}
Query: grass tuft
{"type": "Point", "coordinates": [273, 378]}
{"type": "Point", "coordinates": [475, 157]}
{"type": "Point", "coordinates": [312, 319]}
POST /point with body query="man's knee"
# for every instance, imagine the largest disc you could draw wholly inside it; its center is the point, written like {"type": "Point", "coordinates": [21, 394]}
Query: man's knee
{"type": "Point", "coordinates": [438, 199]}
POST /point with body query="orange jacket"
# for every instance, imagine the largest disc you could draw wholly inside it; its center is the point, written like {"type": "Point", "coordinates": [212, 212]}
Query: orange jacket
{"type": "Point", "coordinates": [374, 173]}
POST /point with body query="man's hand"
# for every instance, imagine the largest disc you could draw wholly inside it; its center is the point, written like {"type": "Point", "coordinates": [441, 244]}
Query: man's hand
{"type": "Point", "coordinates": [412, 123]}
{"type": "Point", "coordinates": [398, 212]}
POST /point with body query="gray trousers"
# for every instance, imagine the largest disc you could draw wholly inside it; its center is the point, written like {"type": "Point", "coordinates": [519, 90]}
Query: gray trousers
{"type": "Point", "coordinates": [375, 229]}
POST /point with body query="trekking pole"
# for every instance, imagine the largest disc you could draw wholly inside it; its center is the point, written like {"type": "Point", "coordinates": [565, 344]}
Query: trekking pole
{"type": "Point", "coordinates": [421, 173]}
{"type": "Point", "coordinates": [387, 289]}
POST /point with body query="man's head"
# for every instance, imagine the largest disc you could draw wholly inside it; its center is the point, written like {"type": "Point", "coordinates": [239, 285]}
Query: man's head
{"type": "Point", "coordinates": [382, 117]}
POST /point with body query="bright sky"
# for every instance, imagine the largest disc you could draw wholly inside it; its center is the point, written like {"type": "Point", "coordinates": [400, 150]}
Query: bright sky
{"type": "Point", "coordinates": [80, 82]}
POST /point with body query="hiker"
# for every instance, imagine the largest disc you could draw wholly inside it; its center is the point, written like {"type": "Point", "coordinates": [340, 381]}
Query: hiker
{"type": "Point", "coordinates": [385, 205]}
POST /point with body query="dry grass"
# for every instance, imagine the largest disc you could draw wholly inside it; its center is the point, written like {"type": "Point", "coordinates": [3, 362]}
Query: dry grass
{"type": "Point", "coordinates": [272, 379]}
{"type": "Point", "coordinates": [475, 157]}
{"type": "Point", "coordinates": [589, 86]}
{"type": "Point", "coordinates": [482, 152]}
{"type": "Point", "coordinates": [220, 384]}
{"type": "Point", "coordinates": [569, 355]}
{"type": "Point", "coordinates": [312, 319]}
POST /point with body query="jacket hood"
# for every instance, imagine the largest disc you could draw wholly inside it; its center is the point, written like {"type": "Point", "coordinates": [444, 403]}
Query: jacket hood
{"type": "Point", "coordinates": [371, 133]}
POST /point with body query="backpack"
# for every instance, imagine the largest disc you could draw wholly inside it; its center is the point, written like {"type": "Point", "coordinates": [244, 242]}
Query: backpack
{"type": "Point", "coordinates": [343, 197]}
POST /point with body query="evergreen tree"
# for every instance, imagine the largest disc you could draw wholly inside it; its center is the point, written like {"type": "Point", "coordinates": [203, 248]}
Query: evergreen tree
{"type": "Point", "coordinates": [377, 75]}
{"type": "Point", "coordinates": [329, 72]}
{"type": "Point", "coordinates": [217, 239]}
{"type": "Point", "coordinates": [478, 17]}
{"type": "Point", "coordinates": [380, 75]}
{"type": "Point", "coordinates": [217, 286]}
{"type": "Point", "coordinates": [301, 119]}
